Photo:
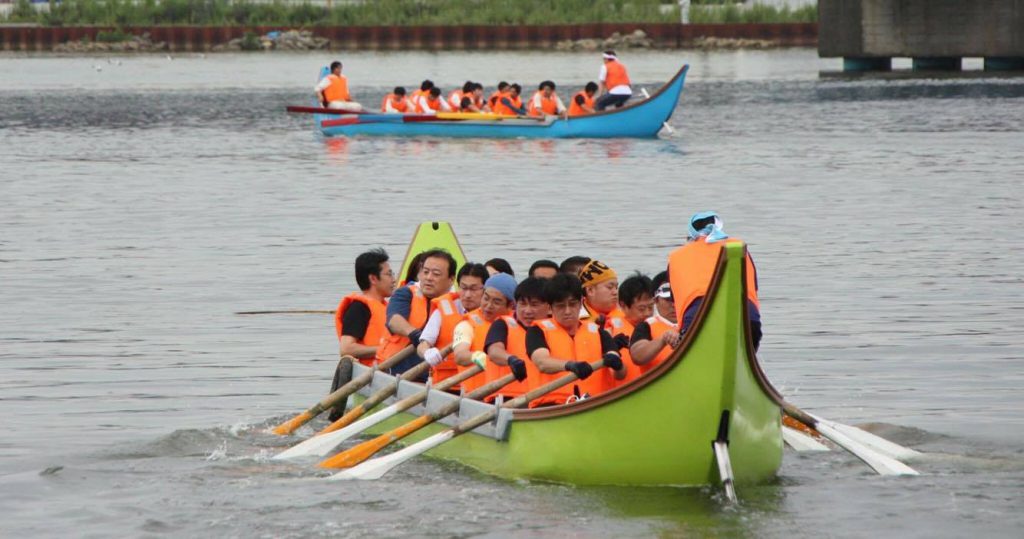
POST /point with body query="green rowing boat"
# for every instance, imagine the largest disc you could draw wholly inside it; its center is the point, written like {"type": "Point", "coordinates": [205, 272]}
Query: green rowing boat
{"type": "Point", "coordinates": [657, 430]}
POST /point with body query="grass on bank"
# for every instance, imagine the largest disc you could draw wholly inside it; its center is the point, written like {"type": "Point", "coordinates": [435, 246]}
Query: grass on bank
{"type": "Point", "coordinates": [121, 13]}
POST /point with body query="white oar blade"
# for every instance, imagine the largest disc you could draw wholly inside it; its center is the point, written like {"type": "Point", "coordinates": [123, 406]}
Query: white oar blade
{"type": "Point", "coordinates": [876, 442]}
{"type": "Point", "coordinates": [323, 444]}
{"type": "Point", "coordinates": [883, 464]}
{"type": "Point", "coordinates": [376, 468]}
{"type": "Point", "coordinates": [800, 441]}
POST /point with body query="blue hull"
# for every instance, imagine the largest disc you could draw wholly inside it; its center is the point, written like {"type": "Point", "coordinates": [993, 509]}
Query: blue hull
{"type": "Point", "coordinates": [641, 119]}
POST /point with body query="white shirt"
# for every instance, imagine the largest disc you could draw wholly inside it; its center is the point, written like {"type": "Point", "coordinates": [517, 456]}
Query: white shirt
{"type": "Point", "coordinates": [425, 105]}
{"type": "Point", "coordinates": [559, 107]}
{"type": "Point", "coordinates": [389, 106]}
{"type": "Point", "coordinates": [621, 89]}
{"type": "Point", "coordinates": [433, 328]}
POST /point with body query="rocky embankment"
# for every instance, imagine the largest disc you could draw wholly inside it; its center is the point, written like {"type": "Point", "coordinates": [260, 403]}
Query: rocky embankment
{"type": "Point", "coordinates": [636, 40]}
{"type": "Point", "coordinates": [291, 40]}
{"type": "Point", "coordinates": [133, 44]}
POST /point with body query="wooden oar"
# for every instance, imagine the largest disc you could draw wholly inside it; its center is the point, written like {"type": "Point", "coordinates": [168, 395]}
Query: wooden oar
{"type": "Point", "coordinates": [375, 468]}
{"type": "Point", "coordinates": [882, 463]}
{"type": "Point", "coordinates": [663, 124]}
{"type": "Point", "coordinates": [342, 392]}
{"type": "Point", "coordinates": [800, 441]}
{"type": "Point", "coordinates": [355, 455]}
{"type": "Point", "coordinates": [323, 444]}
{"type": "Point", "coordinates": [322, 110]}
{"type": "Point", "coordinates": [379, 397]}
{"type": "Point", "coordinates": [284, 312]}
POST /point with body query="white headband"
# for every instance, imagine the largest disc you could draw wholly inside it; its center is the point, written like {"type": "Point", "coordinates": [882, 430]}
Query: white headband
{"type": "Point", "coordinates": [609, 56]}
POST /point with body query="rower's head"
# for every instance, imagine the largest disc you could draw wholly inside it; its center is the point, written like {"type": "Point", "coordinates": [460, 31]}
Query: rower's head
{"type": "Point", "coordinates": [609, 56]}
{"type": "Point", "coordinates": [515, 90]}
{"type": "Point", "coordinates": [399, 91]}
{"type": "Point", "coordinates": [635, 298]}
{"type": "Point", "coordinates": [530, 304]}
{"type": "Point", "coordinates": [436, 273]}
{"type": "Point", "coordinates": [544, 268]}
{"type": "Point", "coordinates": [573, 264]}
{"type": "Point", "coordinates": [590, 88]}
{"type": "Point", "coordinates": [336, 67]}
{"type": "Point", "coordinates": [499, 296]}
{"type": "Point", "coordinates": [413, 273]}
{"type": "Point", "coordinates": [707, 225]}
{"type": "Point", "coordinates": [426, 85]}
{"type": "Point", "coordinates": [600, 286]}
{"type": "Point", "coordinates": [471, 278]}
{"type": "Point", "coordinates": [467, 87]}
{"type": "Point", "coordinates": [478, 90]}
{"type": "Point", "coordinates": [563, 293]}
{"type": "Point", "coordinates": [547, 88]}
{"type": "Point", "coordinates": [499, 265]}
{"type": "Point", "coordinates": [435, 92]}
{"type": "Point", "coordinates": [663, 301]}
{"type": "Point", "coordinates": [502, 86]}
{"type": "Point", "coordinates": [373, 273]}
{"type": "Point", "coordinates": [466, 103]}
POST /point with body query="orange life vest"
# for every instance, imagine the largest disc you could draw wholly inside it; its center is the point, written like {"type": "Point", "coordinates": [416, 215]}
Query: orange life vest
{"type": "Point", "coordinates": [548, 105]}
{"type": "Point", "coordinates": [418, 314]}
{"type": "Point", "coordinates": [338, 89]}
{"type": "Point", "coordinates": [450, 317]}
{"type": "Point", "coordinates": [515, 345]}
{"type": "Point", "coordinates": [401, 105]}
{"type": "Point", "coordinates": [495, 100]}
{"type": "Point", "coordinates": [374, 329]}
{"type": "Point", "coordinates": [615, 325]}
{"type": "Point", "coordinates": [617, 75]}
{"type": "Point", "coordinates": [593, 314]}
{"type": "Point", "coordinates": [433, 102]}
{"type": "Point", "coordinates": [658, 328]}
{"type": "Point", "coordinates": [480, 327]}
{"type": "Point", "coordinates": [577, 110]}
{"type": "Point", "coordinates": [455, 99]}
{"type": "Point", "coordinates": [584, 346]}
{"type": "Point", "coordinates": [691, 268]}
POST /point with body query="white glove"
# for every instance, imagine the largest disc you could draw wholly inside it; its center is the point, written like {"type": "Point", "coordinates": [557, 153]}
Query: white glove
{"type": "Point", "coordinates": [433, 357]}
{"type": "Point", "coordinates": [480, 359]}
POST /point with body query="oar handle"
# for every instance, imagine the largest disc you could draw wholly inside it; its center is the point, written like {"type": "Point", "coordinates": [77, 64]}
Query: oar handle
{"type": "Point", "coordinates": [799, 415]}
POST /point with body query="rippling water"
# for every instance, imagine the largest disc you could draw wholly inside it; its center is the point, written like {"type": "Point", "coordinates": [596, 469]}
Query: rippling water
{"type": "Point", "coordinates": [145, 202]}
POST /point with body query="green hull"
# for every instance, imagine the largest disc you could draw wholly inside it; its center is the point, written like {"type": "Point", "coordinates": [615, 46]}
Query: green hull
{"type": "Point", "coordinates": [657, 430]}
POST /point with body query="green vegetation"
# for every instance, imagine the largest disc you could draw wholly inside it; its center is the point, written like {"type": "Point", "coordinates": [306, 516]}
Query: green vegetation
{"type": "Point", "coordinates": [113, 36]}
{"type": "Point", "coordinates": [121, 13]}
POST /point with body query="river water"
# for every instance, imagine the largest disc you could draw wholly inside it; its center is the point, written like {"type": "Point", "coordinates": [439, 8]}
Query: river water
{"type": "Point", "coordinates": [146, 199]}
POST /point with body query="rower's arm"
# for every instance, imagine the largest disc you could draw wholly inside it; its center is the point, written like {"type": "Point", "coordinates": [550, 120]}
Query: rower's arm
{"type": "Point", "coordinates": [608, 346]}
{"type": "Point", "coordinates": [350, 347]}
{"type": "Point", "coordinates": [399, 307]}
{"type": "Point", "coordinates": [462, 339]}
{"type": "Point", "coordinates": [494, 343]}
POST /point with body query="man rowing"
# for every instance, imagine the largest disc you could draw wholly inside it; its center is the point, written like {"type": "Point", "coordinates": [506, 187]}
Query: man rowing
{"type": "Point", "coordinates": [654, 338]}
{"type": "Point", "coordinates": [545, 102]}
{"type": "Point", "coordinates": [635, 306]}
{"type": "Point", "coordinates": [447, 311]}
{"type": "Point", "coordinates": [470, 335]}
{"type": "Point", "coordinates": [691, 269]}
{"type": "Point", "coordinates": [600, 292]}
{"type": "Point", "coordinates": [332, 91]}
{"type": "Point", "coordinates": [410, 306]}
{"type": "Point", "coordinates": [397, 102]}
{"type": "Point", "coordinates": [544, 269]}
{"type": "Point", "coordinates": [564, 343]}
{"type": "Point", "coordinates": [582, 102]}
{"type": "Point", "coordinates": [573, 264]}
{"type": "Point", "coordinates": [511, 102]}
{"type": "Point", "coordinates": [502, 91]}
{"type": "Point", "coordinates": [431, 102]}
{"type": "Point", "coordinates": [505, 343]}
{"type": "Point", "coordinates": [614, 89]}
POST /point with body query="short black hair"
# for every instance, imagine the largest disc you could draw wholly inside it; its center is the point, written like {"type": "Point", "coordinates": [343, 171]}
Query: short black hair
{"type": "Point", "coordinates": [435, 92]}
{"type": "Point", "coordinates": [546, 83]}
{"type": "Point", "coordinates": [517, 88]}
{"type": "Point", "coordinates": [657, 281]}
{"type": "Point", "coordinates": [468, 86]}
{"type": "Point", "coordinates": [368, 264]}
{"type": "Point", "coordinates": [466, 102]}
{"type": "Point", "coordinates": [413, 273]}
{"type": "Point", "coordinates": [477, 86]}
{"type": "Point", "coordinates": [590, 87]}
{"type": "Point", "coordinates": [502, 85]}
{"type": "Point", "coordinates": [399, 90]}
{"type": "Point", "coordinates": [335, 64]}
{"type": "Point", "coordinates": [440, 253]}
{"type": "Point", "coordinates": [530, 288]}
{"type": "Point", "coordinates": [543, 263]}
{"type": "Point", "coordinates": [562, 287]}
{"type": "Point", "coordinates": [473, 269]}
{"type": "Point", "coordinates": [573, 264]}
{"type": "Point", "coordinates": [633, 288]}
{"type": "Point", "coordinates": [501, 265]}
{"type": "Point", "coordinates": [426, 85]}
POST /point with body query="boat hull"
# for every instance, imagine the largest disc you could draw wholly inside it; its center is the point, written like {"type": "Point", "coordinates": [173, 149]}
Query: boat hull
{"type": "Point", "coordinates": [657, 430]}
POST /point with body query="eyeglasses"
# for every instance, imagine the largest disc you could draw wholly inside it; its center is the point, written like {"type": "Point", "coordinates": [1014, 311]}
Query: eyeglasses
{"type": "Point", "coordinates": [474, 288]}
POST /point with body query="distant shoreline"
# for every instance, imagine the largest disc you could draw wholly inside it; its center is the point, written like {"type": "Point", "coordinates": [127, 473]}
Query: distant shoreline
{"type": "Point", "coordinates": [585, 37]}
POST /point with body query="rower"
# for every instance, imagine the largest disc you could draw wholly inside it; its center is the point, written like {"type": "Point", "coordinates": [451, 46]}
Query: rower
{"type": "Point", "coordinates": [396, 102]}
{"type": "Point", "coordinates": [582, 102]}
{"type": "Point", "coordinates": [447, 311]}
{"type": "Point", "coordinates": [332, 91]}
{"type": "Point", "coordinates": [614, 89]}
{"type": "Point", "coordinates": [654, 338]}
{"type": "Point", "coordinates": [512, 103]}
{"type": "Point", "coordinates": [600, 293]}
{"type": "Point", "coordinates": [573, 264]}
{"type": "Point", "coordinates": [545, 102]}
{"type": "Point", "coordinates": [425, 87]}
{"type": "Point", "coordinates": [470, 334]}
{"type": "Point", "coordinates": [409, 307]}
{"type": "Point", "coordinates": [478, 97]}
{"type": "Point", "coordinates": [502, 91]}
{"type": "Point", "coordinates": [692, 267]}
{"type": "Point", "coordinates": [635, 306]}
{"type": "Point", "coordinates": [359, 318]}
{"type": "Point", "coordinates": [499, 265]}
{"type": "Point", "coordinates": [564, 343]}
{"type": "Point", "coordinates": [455, 97]}
{"type": "Point", "coordinates": [506, 340]}
{"type": "Point", "coordinates": [544, 269]}
{"type": "Point", "coordinates": [431, 102]}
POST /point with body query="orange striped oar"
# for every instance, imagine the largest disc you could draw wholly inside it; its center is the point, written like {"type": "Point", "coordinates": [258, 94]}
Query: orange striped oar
{"type": "Point", "coordinates": [342, 392]}
{"type": "Point", "coordinates": [379, 397]}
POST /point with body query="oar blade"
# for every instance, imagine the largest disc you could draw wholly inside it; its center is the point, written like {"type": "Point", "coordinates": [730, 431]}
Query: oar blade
{"type": "Point", "coordinates": [881, 463]}
{"type": "Point", "coordinates": [355, 455]}
{"type": "Point", "coordinates": [322, 444]}
{"type": "Point", "coordinates": [292, 424]}
{"type": "Point", "coordinates": [376, 468]}
{"type": "Point", "coordinates": [800, 441]}
{"type": "Point", "coordinates": [876, 442]}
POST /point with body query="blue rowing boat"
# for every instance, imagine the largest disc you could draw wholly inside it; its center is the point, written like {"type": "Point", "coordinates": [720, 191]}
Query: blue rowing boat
{"type": "Point", "coordinates": [640, 119]}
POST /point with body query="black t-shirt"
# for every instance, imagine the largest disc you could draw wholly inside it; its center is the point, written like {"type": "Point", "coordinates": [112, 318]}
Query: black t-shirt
{"type": "Point", "coordinates": [642, 332]}
{"type": "Point", "coordinates": [497, 333]}
{"type": "Point", "coordinates": [355, 320]}
{"type": "Point", "coordinates": [579, 99]}
{"type": "Point", "coordinates": [535, 339]}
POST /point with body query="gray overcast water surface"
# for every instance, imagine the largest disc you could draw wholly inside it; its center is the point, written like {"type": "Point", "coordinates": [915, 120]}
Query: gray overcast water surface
{"type": "Point", "coordinates": [146, 199]}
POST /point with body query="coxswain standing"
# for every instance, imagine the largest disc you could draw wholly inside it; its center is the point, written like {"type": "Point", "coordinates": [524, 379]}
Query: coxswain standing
{"type": "Point", "coordinates": [614, 89]}
{"type": "Point", "coordinates": [332, 91]}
